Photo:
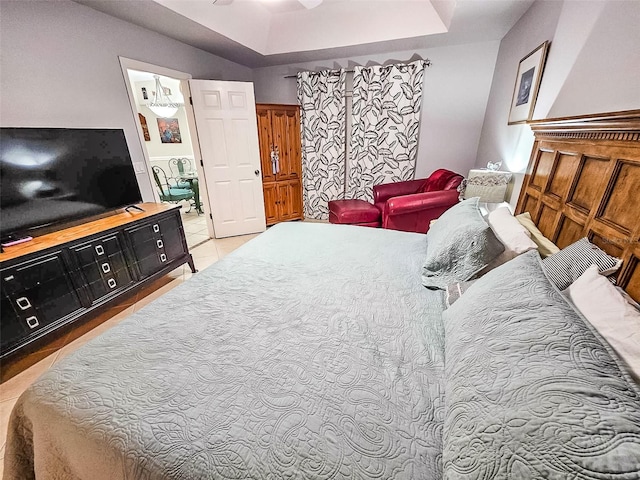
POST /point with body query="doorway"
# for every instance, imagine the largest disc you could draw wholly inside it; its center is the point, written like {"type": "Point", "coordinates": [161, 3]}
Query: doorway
{"type": "Point", "coordinates": [169, 145]}
{"type": "Point", "coordinates": [225, 148]}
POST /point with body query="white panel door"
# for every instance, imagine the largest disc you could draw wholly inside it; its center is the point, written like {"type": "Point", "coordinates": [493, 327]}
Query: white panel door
{"type": "Point", "coordinates": [225, 114]}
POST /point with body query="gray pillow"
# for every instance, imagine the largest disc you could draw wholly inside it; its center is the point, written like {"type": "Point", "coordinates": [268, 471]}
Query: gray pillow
{"type": "Point", "coordinates": [567, 265]}
{"type": "Point", "coordinates": [459, 245]}
{"type": "Point", "coordinates": [532, 391]}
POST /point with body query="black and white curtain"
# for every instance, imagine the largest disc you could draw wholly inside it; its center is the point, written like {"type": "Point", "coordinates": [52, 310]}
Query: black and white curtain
{"type": "Point", "coordinates": [386, 122]}
{"type": "Point", "coordinates": [321, 96]}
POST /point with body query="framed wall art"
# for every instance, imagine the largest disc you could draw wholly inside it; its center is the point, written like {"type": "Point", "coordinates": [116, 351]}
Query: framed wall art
{"type": "Point", "coordinates": [145, 127]}
{"type": "Point", "coordinates": [169, 130]}
{"type": "Point", "coordinates": [525, 90]}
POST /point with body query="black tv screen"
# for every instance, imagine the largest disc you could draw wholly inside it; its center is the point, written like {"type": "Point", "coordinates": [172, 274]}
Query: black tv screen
{"type": "Point", "coordinates": [54, 175]}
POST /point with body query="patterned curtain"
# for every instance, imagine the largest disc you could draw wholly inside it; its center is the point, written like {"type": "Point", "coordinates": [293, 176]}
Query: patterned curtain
{"type": "Point", "coordinates": [386, 120]}
{"type": "Point", "coordinates": [321, 96]}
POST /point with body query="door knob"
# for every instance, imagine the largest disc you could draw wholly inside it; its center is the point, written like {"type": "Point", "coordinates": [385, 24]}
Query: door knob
{"type": "Point", "coordinates": [257, 172]}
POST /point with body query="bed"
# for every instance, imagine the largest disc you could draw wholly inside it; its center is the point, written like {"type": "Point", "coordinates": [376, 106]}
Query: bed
{"type": "Point", "coordinates": [333, 361]}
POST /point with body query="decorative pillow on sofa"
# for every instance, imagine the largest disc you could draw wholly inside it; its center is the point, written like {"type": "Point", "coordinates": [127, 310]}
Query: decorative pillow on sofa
{"type": "Point", "coordinates": [566, 266]}
{"type": "Point", "coordinates": [531, 390]}
{"type": "Point", "coordinates": [610, 314]}
{"type": "Point", "coordinates": [459, 245]}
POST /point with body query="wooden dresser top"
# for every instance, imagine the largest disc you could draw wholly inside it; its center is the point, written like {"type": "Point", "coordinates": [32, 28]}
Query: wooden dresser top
{"type": "Point", "coordinates": [59, 237]}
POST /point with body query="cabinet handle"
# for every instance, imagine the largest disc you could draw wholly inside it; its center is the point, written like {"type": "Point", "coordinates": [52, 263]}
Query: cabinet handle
{"type": "Point", "coordinates": [32, 322]}
{"type": "Point", "coordinates": [23, 303]}
{"type": "Point", "coordinates": [156, 228]}
{"type": "Point", "coordinates": [163, 257]}
{"type": "Point", "coordinates": [274, 169]}
{"type": "Point", "coordinates": [112, 283]}
{"type": "Point", "coordinates": [159, 243]}
{"type": "Point", "coordinates": [99, 250]}
{"type": "Point", "coordinates": [106, 268]}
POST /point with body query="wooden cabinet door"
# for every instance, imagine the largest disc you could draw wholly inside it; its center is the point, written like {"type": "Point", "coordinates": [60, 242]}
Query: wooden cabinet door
{"type": "Point", "coordinates": [12, 328]}
{"type": "Point", "coordinates": [171, 236]}
{"type": "Point", "coordinates": [102, 266]}
{"type": "Point", "coordinates": [145, 248]}
{"type": "Point", "coordinates": [265, 141]}
{"type": "Point", "coordinates": [39, 292]}
{"type": "Point", "coordinates": [290, 198]}
{"type": "Point", "coordinates": [284, 205]}
{"type": "Point", "coordinates": [286, 136]}
{"type": "Point", "coordinates": [157, 244]}
{"type": "Point", "coordinates": [294, 194]}
{"type": "Point", "coordinates": [271, 203]}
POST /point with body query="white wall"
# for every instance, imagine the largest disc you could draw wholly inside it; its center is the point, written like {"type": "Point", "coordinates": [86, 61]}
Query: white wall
{"type": "Point", "coordinates": [60, 68]}
{"type": "Point", "coordinates": [455, 96]}
{"type": "Point", "coordinates": [155, 147]}
{"type": "Point", "coordinates": [593, 66]}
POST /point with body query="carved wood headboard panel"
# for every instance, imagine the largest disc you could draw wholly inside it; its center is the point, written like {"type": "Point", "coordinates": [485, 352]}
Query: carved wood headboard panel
{"type": "Point", "coordinates": [583, 180]}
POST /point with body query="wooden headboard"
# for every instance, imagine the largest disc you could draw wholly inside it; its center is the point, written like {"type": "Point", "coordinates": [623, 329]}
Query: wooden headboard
{"type": "Point", "coordinates": [583, 180]}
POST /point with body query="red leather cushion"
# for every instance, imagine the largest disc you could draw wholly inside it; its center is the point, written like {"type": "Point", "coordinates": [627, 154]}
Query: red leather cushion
{"type": "Point", "coordinates": [453, 182]}
{"type": "Point", "coordinates": [352, 211]}
{"type": "Point", "coordinates": [438, 180]}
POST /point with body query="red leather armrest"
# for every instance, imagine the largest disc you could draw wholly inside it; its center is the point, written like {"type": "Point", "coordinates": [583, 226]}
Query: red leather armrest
{"type": "Point", "coordinates": [421, 201]}
{"type": "Point", "coordinates": [385, 191]}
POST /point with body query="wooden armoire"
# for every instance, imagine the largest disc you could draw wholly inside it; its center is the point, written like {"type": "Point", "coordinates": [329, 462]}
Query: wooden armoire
{"type": "Point", "coordinates": [280, 158]}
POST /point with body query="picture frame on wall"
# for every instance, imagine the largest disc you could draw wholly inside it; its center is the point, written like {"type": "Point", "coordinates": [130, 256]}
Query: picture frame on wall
{"type": "Point", "coordinates": [169, 130]}
{"type": "Point", "coordinates": [145, 127]}
{"type": "Point", "coordinates": [525, 90]}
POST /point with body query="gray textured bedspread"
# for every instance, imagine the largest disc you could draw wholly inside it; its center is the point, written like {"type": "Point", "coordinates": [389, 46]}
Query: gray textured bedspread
{"type": "Point", "coordinates": [313, 351]}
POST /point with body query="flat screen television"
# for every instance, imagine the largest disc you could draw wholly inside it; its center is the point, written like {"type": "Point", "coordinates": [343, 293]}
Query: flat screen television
{"type": "Point", "coordinates": [53, 175]}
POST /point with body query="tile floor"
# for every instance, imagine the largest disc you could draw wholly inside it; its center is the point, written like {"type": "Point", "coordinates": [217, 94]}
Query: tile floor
{"type": "Point", "coordinates": [195, 227]}
{"type": "Point", "coordinates": [204, 255]}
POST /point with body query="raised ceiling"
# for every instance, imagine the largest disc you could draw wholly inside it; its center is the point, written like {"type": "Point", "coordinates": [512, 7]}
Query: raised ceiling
{"type": "Point", "coordinates": [269, 32]}
{"type": "Point", "coordinates": [332, 24]}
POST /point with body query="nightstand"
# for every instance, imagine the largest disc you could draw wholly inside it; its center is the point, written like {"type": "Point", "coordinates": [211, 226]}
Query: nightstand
{"type": "Point", "coordinates": [489, 185]}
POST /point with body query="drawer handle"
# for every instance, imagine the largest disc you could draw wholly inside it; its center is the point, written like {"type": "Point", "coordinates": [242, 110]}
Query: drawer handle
{"type": "Point", "coordinates": [163, 257]}
{"type": "Point", "coordinates": [112, 283]}
{"type": "Point", "coordinates": [32, 322]}
{"type": "Point", "coordinates": [99, 250]}
{"type": "Point", "coordinates": [106, 268]}
{"type": "Point", "coordinates": [23, 303]}
{"type": "Point", "coordinates": [156, 228]}
{"type": "Point", "coordinates": [159, 243]}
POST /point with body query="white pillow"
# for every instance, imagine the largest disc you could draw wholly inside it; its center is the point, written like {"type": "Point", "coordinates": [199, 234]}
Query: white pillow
{"type": "Point", "coordinates": [515, 238]}
{"type": "Point", "coordinates": [610, 314]}
{"type": "Point", "coordinates": [510, 232]}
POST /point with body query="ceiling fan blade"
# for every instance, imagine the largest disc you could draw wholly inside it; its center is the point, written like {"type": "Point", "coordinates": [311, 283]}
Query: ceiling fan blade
{"type": "Point", "coordinates": [222, 2]}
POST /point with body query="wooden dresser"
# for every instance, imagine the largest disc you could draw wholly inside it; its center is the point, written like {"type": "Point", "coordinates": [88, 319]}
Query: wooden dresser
{"type": "Point", "coordinates": [62, 277]}
{"type": "Point", "coordinates": [280, 158]}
